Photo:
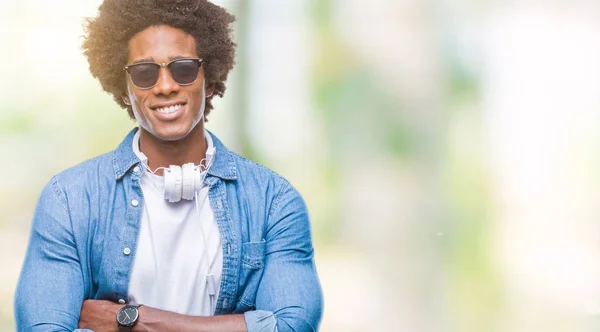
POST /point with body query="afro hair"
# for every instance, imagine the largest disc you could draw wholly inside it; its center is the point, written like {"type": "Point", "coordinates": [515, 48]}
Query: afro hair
{"type": "Point", "coordinates": [107, 36]}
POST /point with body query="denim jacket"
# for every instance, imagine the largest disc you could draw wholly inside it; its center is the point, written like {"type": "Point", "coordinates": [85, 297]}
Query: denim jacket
{"type": "Point", "coordinates": [86, 224]}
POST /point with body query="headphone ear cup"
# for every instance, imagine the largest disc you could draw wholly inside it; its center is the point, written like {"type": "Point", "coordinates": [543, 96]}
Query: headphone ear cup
{"type": "Point", "coordinates": [197, 180]}
{"type": "Point", "coordinates": [173, 184]}
{"type": "Point", "coordinates": [169, 185]}
{"type": "Point", "coordinates": [188, 185]}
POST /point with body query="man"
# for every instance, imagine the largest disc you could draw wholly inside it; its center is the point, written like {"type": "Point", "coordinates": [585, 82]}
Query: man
{"type": "Point", "coordinates": [171, 231]}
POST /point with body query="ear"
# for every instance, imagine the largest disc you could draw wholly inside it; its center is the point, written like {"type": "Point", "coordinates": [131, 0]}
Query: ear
{"type": "Point", "coordinates": [209, 89]}
{"type": "Point", "coordinates": [126, 100]}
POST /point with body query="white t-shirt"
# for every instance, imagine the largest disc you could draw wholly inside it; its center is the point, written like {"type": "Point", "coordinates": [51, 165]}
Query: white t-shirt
{"type": "Point", "coordinates": [172, 260]}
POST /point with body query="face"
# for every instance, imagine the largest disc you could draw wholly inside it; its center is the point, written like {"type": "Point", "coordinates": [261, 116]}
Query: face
{"type": "Point", "coordinates": [168, 111]}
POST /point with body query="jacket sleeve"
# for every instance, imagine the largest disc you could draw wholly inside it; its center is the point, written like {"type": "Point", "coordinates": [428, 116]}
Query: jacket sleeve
{"type": "Point", "coordinates": [289, 296]}
{"type": "Point", "coordinates": [50, 290]}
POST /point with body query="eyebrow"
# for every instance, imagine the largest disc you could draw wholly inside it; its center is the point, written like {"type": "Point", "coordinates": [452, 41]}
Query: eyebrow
{"type": "Point", "coordinates": [171, 58]}
{"type": "Point", "coordinates": [176, 57]}
{"type": "Point", "coordinates": [142, 60]}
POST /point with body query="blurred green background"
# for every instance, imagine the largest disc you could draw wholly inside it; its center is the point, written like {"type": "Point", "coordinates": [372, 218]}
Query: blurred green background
{"type": "Point", "coordinates": [448, 150]}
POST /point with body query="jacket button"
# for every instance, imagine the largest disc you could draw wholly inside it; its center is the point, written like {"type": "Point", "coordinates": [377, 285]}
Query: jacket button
{"type": "Point", "coordinates": [136, 169]}
{"type": "Point", "coordinates": [135, 202]}
{"type": "Point", "coordinates": [127, 251]}
{"type": "Point", "coordinates": [121, 301]}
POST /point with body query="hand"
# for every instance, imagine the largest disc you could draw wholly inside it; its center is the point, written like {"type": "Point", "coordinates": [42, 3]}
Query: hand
{"type": "Point", "coordinates": [99, 316]}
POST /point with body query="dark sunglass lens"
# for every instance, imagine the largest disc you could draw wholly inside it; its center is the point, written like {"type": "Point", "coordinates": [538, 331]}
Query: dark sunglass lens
{"type": "Point", "coordinates": [184, 71]}
{"type": "Point", "coordinates": [144, 75]}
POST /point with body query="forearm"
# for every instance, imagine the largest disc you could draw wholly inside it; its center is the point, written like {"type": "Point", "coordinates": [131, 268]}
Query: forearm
{"type": "Point", "coordinates": [152, 319]}
{"type": "Point", "coordinates": [100, 315]}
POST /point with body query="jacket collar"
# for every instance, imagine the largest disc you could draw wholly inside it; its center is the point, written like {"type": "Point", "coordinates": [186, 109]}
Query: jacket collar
{"type": "Point", "coordinates": [222, 167]}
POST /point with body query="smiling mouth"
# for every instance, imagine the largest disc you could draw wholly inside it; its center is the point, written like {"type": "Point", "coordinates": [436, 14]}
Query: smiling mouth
{"type": "Point", "coordinates": [169, 109]}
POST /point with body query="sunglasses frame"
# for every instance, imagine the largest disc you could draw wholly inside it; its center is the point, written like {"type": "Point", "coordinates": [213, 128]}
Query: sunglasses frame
{"type": "Point", "coordinates": [127, 69]}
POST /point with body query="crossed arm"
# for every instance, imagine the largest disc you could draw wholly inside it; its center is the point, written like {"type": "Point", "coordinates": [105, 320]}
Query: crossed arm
{"type": "Point", "coordinates": [50, 294]}
{"type": "Point", "coordinates": [99, 316]}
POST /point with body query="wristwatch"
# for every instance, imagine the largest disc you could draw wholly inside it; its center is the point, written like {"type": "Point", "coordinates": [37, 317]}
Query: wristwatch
{"type": "Point", "coordinates": [127, 317]}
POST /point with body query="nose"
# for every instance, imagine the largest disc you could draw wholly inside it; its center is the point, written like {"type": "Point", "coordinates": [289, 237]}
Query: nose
{"type": "Point", "coordinates": [165, 84]}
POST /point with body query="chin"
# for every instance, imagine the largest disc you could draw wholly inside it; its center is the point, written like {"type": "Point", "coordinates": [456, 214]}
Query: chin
{"type": "Point", "coordinates": [170, 137]}
{"type": "Point", "coordinates": [172, 134]}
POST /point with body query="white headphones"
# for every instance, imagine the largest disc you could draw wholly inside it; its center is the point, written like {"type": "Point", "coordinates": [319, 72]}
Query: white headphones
{"type": "Point", "coordinates": [185, 181]}
{"type": "Point", "coordinates": [180, 181]}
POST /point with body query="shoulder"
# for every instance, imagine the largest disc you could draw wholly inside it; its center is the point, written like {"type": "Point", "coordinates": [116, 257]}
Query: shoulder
{"type": "Point", "coordinates": [250, 171]}
{"type": "Point", "coordinates": [248, 167]}
{"type": "Point", "coordinates": [85, 173]}
{"type": "Point", "coordinates": [260, 180]}
{"type": "Point", "coordinates": [67, 189]}
{"type": "Point", "coordinates": [104, 169]}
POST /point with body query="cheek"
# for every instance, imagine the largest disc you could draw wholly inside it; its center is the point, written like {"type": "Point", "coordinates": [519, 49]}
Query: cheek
{"type": "Point", "coordinates": [137, 104]}
{"type": "Point", "coordinates": [135, 99]}
{"type": "Point", "coordinates": [195, 98]}
{"type": "Point", "coordinates": [197, 94]}
{"type": "Point", "coordinates": [135, 96]}
{"type": "Point", "coordinates": [139, 112]}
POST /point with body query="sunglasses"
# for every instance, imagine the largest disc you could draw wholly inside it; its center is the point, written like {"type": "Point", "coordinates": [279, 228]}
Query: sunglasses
{"type": "Point", "coordinates": [144, 75]}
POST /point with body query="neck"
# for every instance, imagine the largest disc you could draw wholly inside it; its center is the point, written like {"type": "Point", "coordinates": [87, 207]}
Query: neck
{"type": "Point", "coordinates": [191, 148]}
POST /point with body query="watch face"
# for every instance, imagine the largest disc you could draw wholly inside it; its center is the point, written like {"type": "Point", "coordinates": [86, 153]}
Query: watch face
{"type": "Point", "coordinates": [127, 315]}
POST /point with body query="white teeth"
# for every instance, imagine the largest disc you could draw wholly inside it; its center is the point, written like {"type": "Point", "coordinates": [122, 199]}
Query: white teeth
{"type": "Point", "coordinates": [169, 109]}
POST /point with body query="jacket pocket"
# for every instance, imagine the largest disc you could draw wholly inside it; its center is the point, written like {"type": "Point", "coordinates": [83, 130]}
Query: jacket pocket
{"type": "Point", "coordinates": [253, 258]}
